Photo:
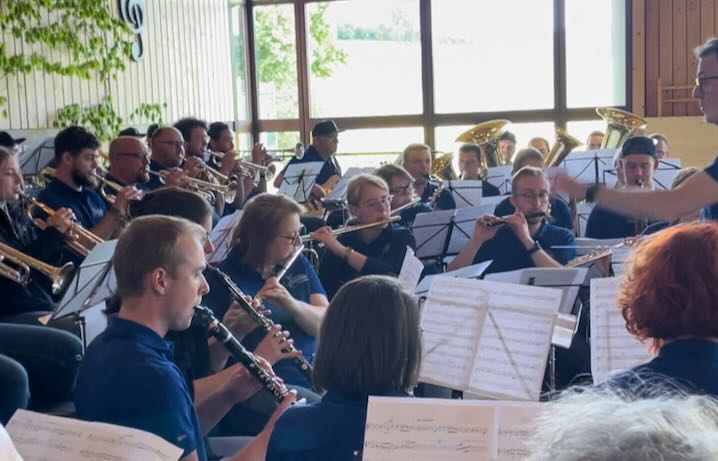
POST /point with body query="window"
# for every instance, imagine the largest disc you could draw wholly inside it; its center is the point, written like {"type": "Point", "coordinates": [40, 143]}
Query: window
{"type": "Point", "coordinates": [495, 56]}
{"type": "Point", "coordinates": [445, 135]}
{"type": "Point", "coordinates": [273, 140]}
{"type": "Point", "coordinates": [377, 146]}
{"type": "Point", "coordinates": [364, 58]}
{"type": "Point", "coordinates": [239, 57]}
{"type": "Point", "coordinates": [581, 130]}
{"type": "Point", "coordinates": [275, 49]}
{"type": "Point", "coordinates": [596, 53]}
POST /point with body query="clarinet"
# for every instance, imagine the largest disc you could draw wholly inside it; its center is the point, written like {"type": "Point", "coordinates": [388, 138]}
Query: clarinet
{"type": "Point", "coordinates": [246, 358]}
{"type": "Point", "coordinates": [265, 323]}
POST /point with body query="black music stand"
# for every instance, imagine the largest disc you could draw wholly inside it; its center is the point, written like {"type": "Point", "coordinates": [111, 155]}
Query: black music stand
{"type": "Point", "coordinates": [432, 232]}
{"type": "Point", "coordinates": [588, 166]}
{"type": "Point", "coordinates": [33, 161]}
{"type": "Point", "coordinates": [298, 180]}
{"type": "Point", "coordinates": [466, 193]}
{"type": "Point", "coordinates": [92, 283]}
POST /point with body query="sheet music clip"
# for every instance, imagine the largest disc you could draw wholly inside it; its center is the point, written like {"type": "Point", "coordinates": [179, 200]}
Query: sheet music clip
{"type": "Point", "coordinates": [92, 283]}
{"type": "Point", "coordinates": [466, 193]}
{"type": "Point", "coordinates": [298, 180]}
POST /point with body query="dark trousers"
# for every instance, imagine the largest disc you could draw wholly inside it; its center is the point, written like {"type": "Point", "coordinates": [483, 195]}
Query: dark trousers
{"type": "Point", "coordinates": [14, 388]}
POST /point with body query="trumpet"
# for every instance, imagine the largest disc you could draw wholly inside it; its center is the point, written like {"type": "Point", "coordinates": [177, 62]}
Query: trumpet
{"type": "Point", "coordinates": [200, 185]}
{"type": "Point", "coordinates": [15, 265]}
{"type": "Point", "coordinates": [254, 168]}
{"type": "Point", "coordinates": [77, 238]}
{"type": "Point", "coordinates": [354, 228]}
{"type": "Point", "coordinates": [104, 182]}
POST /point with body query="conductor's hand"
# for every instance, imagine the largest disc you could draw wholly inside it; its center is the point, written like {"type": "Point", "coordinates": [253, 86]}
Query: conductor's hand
{"type": "Point", "coordinates": [482, 229]}
{"type": "Point", "coordinates": [565, 183]}
{"type": "Point", "coordinates": [61, 220]}
{"type": "Point", "coordinates": [272, 347]}
{"type": "Point", "coordinates": [517, 223]}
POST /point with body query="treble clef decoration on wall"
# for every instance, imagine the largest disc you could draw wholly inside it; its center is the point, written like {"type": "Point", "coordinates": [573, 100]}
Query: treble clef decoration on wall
{"type": "Point", "coordinates": [133, 13]}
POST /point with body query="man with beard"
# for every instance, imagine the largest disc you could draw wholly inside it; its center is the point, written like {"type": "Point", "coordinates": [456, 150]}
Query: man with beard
{"type": "Point", "coordinates": [74, 182]}
{"type": "Point", "coordinates": [129, 162]}
{"type": "Point", "coordinates": [522, 239]}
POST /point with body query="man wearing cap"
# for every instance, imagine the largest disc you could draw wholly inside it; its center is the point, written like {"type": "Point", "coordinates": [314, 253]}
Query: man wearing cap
{"type": "Point", "coordinates": [12, 144]}
{"type": "Point", "coordinates": [325, 140]}
{"type": "Point", "coordinates": [637, 160]}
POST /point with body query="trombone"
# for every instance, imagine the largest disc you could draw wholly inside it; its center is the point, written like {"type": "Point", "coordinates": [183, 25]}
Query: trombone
{"type": "Point", "coordinates": [77, 238]}
{"type": "Point", "coordinates": [15, 265]}
{"type": "Point", "coordinates": [354, 228]}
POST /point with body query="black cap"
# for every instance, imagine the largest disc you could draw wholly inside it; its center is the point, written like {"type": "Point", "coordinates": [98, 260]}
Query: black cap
{"type": "Point", "coordinates": [325, 128]}
{"type": "Point", "coordinates": [132, 131]}
{"type": "Point", "coordinates": [639, 145]}
{"type": "Point", "coordinates": [7, 141]}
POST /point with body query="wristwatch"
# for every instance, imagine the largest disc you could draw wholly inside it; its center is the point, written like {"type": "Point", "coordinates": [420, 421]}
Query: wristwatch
{"type": "Point", "coordinates": [534, 248]}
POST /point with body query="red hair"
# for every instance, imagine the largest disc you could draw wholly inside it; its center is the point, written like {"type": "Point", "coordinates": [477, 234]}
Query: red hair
{"type": "Point", "coordinates": [671, 287]}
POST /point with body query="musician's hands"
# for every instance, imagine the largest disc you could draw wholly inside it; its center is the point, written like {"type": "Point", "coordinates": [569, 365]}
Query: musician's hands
{"type": "Point", "coordinates": [482, 231]}
{"type": "Point", "coordinates": [240, 383]}
{"type": "Point", "coordinates": [176, 178]}
{"type": "Point", "coordinates": [123, 198]}
{"type": "Point", "coordinates": [324, 235]}
{"type": "Point", "coordinates": [259, 154]}
{"type": "Point", "coordinates": [229, 160]}
{"type": "Point", "coordinates": [194, 167]}
{"type": "Point", "coordinates": [239, 323]}
{"type": "Point", "coordinates": [62, 220]}
{"type": "Point", "coordinates": [272, 346]}
{"type": "Point", "coordinates": [277, 293]}
{"type": "Point", "coordinates": [318, 192]}
{"type": "Point", "coordinates": [517, 223]}
{"type": "Point", "coordinates": [565, 183]}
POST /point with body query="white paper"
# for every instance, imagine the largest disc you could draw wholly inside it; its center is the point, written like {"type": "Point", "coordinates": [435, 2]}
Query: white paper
{"type": "Point", "coordinates": [400, 429]}
{"type": "Point", "coordinates": [489, 338]}
{"type": "Point", "coordinates": [41, 437]}
{"type": "Point", "coordinates": [500, 176]}
{"type": "Point", "coordinates": [339, 192]}
{"type": "Point", "coordinates": [298, 180]}
{"type": "Point", "coordinates": [581, 165]}
{"type": "Point", "coordinates": [431, 231]}
{"type": "Point", "coordinates": [466, 193]}
{"type": "Point", "coordinates": [410, 271]}
{"type": "Point", "coordinates": [613, 348]}
{"type": "Point", "coordinates": [221, 235]}
{"type": "Point", "coordinates": [464, 222]}
{"type": "Point", "coordinates": [473, 271]}
{"type": "Point", "coordinates": [7, 449]}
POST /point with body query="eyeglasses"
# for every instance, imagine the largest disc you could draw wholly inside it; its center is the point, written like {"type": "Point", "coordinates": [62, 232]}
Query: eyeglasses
{"type": "Point", "coordinates": [135, 155]}
{"type": "Point", "coordinates": [295, 238]}
{"type": "Point", "coordinates": [172, 143]}
{"type": "Point", "coordinates": [530, 196]}
{"type": "Point", "coordinates": [701, 80]}
{"type": "Point", "coordinates": [375, 202]}
{"type": "Point", "coordinates": [402, 189]}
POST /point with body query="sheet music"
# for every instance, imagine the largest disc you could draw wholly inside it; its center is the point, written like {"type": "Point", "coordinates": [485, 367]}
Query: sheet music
{"type": "Point", "coordinates": [464, 221]}
{"type": "Point", "coordinates": [516, 426]}
{"type": "Point", "coordinates": [339, 192]}
{"type": "Point", "coordinates": [613, 348]}
{"type": "Point", "coordinates": [500, 176]}
{"type": "Point", "coordinates": [581, 165]}
{"type": "Point", "coordinates": [509, 325]}
{"type": "Point", "coordinates": [428, 430]}
{"type": "Point", "coordinates": [466, 192]}
{"type": "Point", "coordinates": [298, 180]}
{"type": "Point", "coordinates": [473, 271]}
{"type": "Point", "coordinates": [7, 449]}
{"type": "Point", "coordinates": [221, 235]}
{"type": "Point", "coordinates": [431, 231]}
{"type": "Point", "coordinates": [41, 437]}
{"type": "Point", "coordinates": [404, 428]}
{"type": "Point", "coordinates": [410, 271]}
{"type": "Point", "coordinates": [515, 341]}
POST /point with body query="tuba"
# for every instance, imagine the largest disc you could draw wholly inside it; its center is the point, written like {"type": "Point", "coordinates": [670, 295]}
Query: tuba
{"type": "Point", "coordinates": [15, 265]}
{"type": "Point", "coordinates": [442, 167]}
{"type": "Point", "coordinates": [485, 135]}
{"type": "Point", "coordinates": [563, 146]}
{"type": "Point", "coordinates": [621, 125]}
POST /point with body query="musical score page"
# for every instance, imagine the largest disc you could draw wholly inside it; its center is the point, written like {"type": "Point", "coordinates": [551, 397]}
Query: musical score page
{"type": "Point", "coordinates": [39, 437]}
{"type": "Point", "coordinates": [613, 348]}
{"type": "Point", "coordinates": [515, 341]}
{"type": "Point", "coordinates": [404, 428]}
{"type": "Point", "coordinates": [487, 337]}
{"type": "Point", "coordinates": [410, 271]}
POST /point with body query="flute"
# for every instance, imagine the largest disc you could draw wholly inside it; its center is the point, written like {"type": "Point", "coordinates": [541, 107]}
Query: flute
{"type": "Point", "coordinates": [281, 269]}
{"type": "Point", "coordinates": [500, 221]}
{"type": "Point", "coordinates": [243, 356]}
{"type": "Point", "coordinates": [265, 323]}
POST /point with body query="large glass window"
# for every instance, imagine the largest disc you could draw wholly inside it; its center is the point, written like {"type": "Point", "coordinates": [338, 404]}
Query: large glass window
{"type": "Point", "coordinates": [364, 58]}
{"type": "Point", "coordinates": [493, 56]}
{"type": "Point", "coordinates": [276, 55]}
{"type": "Point", "coordinates": [239, 56]}
{"type": "Point", "coordinates": [374, 147]}
{"type": "Point", "coordinates": [596, 53]}
{"type": "Point", "coordinates": [581, 129]}
{"type": "Point", "coordinates": [446, 135]}
{"type": "Point", "coordinates": [273, 140]}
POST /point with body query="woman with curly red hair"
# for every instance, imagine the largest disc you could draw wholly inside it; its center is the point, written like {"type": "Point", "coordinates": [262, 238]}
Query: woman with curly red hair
{"type": "Point", "coordinates": [670, 297]}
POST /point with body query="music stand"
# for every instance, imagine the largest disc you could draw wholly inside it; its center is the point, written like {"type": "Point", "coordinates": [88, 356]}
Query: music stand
{"type": "Point", "coordinates": [32, 161]}
{"type": "Point", "coordinates": [298, 180]}
{"type": "Point", "coordinates": [432, 231]}
{"type": "Point", "coordinates": [500, 176]}
{"type": "Point", "coordinates": [462, 226]}
{"type": "Point", "coordinates": [466, 193]}
{"type": "Point", "coordinates": [339, 192]}
{"type": "Point", "coordinates": [91, 284]}
{"type": "Point", "coordinates": [220, 237]}
{"type": "Point", "coordinates": [588, 166]}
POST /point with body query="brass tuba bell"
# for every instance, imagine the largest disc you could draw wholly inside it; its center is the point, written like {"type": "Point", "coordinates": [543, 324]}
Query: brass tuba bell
{"type": "Point", "coordinates": [563, 146]}
{"type": "Point", "coordinates": [485, 135]}
{"type": "Point", "coordinates": [621, 125]}
{"type": "Point", "coordinates": [442, 167]}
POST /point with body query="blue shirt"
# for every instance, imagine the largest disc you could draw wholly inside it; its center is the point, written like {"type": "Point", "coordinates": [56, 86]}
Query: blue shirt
{"type": "Point", "coordinates": [89, 207]}
{"type": "Point", "coordinates": [127, 378]}
{"type": "Point", "coordinates": [711, 211]}
{"type": "Point", "coordinates": [155, 181]}
{"type": "Point", "coordinates": [331, 429]}
{"type": "Point", "coordinates": [560, 213]}
{"type": "Point", "coordinates": [509, 254]}
{"type": "Point", "coordinates": [300, 280]}
{"type": "Point", "coordinates": [445, 201]}
{"type": "Point", "coordinates": [329, 169]}
{"type": "Point", "coordinates": [688, 364]}
{"type": "Point", "coordinates": [605, 224]}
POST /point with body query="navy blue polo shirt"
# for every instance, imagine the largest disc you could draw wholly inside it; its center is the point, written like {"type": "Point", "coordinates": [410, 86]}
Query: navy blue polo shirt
{"type": "Point", "coordinates": [89, 207]}
{"type": "Point", "coordinates": [689, 364]}
{"type": "Point", "coordinates": [155, 181]}
{"type": "Point", "coordinates": [330, 168]}
{"type": "Point", "coordinates": [560, 213]}
{"type": "Point", "coordinates": [444, 202]}
{"type": "Point", "coordinates": [384, 256]}
{"type": "Point", "coordinates": [711, 211]}
{"type": "Point", "coordinates": [127, 378]}
{"type": "Point", "coordinates": [300, 280]}
{"type": "Point", "coordinates": [509, 254]}
{"type": "Point", "coordinates": [331, 429]}
{"type": "Point", "coordinates": [605, 224]}
{"type": "Point", "coordinates": [409, 215]}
